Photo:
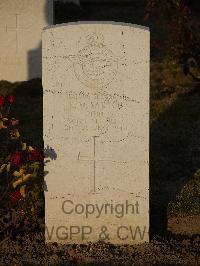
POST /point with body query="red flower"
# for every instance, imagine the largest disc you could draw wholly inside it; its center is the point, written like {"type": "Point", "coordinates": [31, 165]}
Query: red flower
{"type": "Point", "coordinates": [16, 158]}
{"type": "Point", "coordinates": [15, 196]}
{"type": "Point", "coordinates": [35, 156]}
{"type": "Point", "coordinates": [11, 99]}
{"type": "Point", "coordinates": [2, 101]}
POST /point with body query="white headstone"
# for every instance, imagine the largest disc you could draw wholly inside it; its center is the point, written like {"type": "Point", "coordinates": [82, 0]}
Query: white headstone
{"type": "Point", "coordinates": [21, 24]}
{"type": "Point", "coordinates": [96, 120]}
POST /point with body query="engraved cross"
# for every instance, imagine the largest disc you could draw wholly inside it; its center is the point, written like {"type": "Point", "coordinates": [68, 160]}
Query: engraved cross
{"type": "Point", "coordinates": [94, 160]}
{"type": "Point", "coordinates": [17, 30]}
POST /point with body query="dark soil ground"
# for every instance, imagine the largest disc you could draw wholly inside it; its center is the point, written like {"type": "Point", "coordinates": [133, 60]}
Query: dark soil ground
{"type": "Point", "coordinates": [31, 250]}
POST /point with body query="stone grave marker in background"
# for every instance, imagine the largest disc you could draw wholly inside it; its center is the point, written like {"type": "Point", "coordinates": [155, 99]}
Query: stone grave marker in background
{"type": "Point", "coordinates": [96, 121]}
{"type": "Point", "coordinates": [21, 24]}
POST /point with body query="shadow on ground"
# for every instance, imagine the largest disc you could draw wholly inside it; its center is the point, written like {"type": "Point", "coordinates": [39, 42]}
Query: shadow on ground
{"type": "Point", "coordinates": [174, 155]}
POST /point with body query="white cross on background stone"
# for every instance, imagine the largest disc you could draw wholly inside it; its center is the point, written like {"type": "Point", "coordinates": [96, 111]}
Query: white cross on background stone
{"type": "Point", "coordinates": [17, 30]}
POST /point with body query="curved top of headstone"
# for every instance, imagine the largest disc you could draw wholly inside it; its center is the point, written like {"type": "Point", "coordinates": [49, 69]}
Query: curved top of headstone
{"type": "Point", "coordinates": [114, 23]}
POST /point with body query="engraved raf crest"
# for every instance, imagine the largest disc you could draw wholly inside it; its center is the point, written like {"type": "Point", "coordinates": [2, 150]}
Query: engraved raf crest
{"type": "Point", "coordinates": [95, 65]}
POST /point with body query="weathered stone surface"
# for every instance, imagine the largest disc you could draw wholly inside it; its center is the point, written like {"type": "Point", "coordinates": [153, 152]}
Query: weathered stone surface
{"type": "Point", "coordinates": [96, 120]}
{"type": "Point", "coordinates": [21, 24]}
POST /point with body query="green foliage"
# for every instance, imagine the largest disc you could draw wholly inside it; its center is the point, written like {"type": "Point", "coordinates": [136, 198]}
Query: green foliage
{"type": "Point", "coordinates": [188, 200]}
{"type": "Point", "coordinates": [21, 169]}
{"type": "Point", "coordinates": [175, 33]}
